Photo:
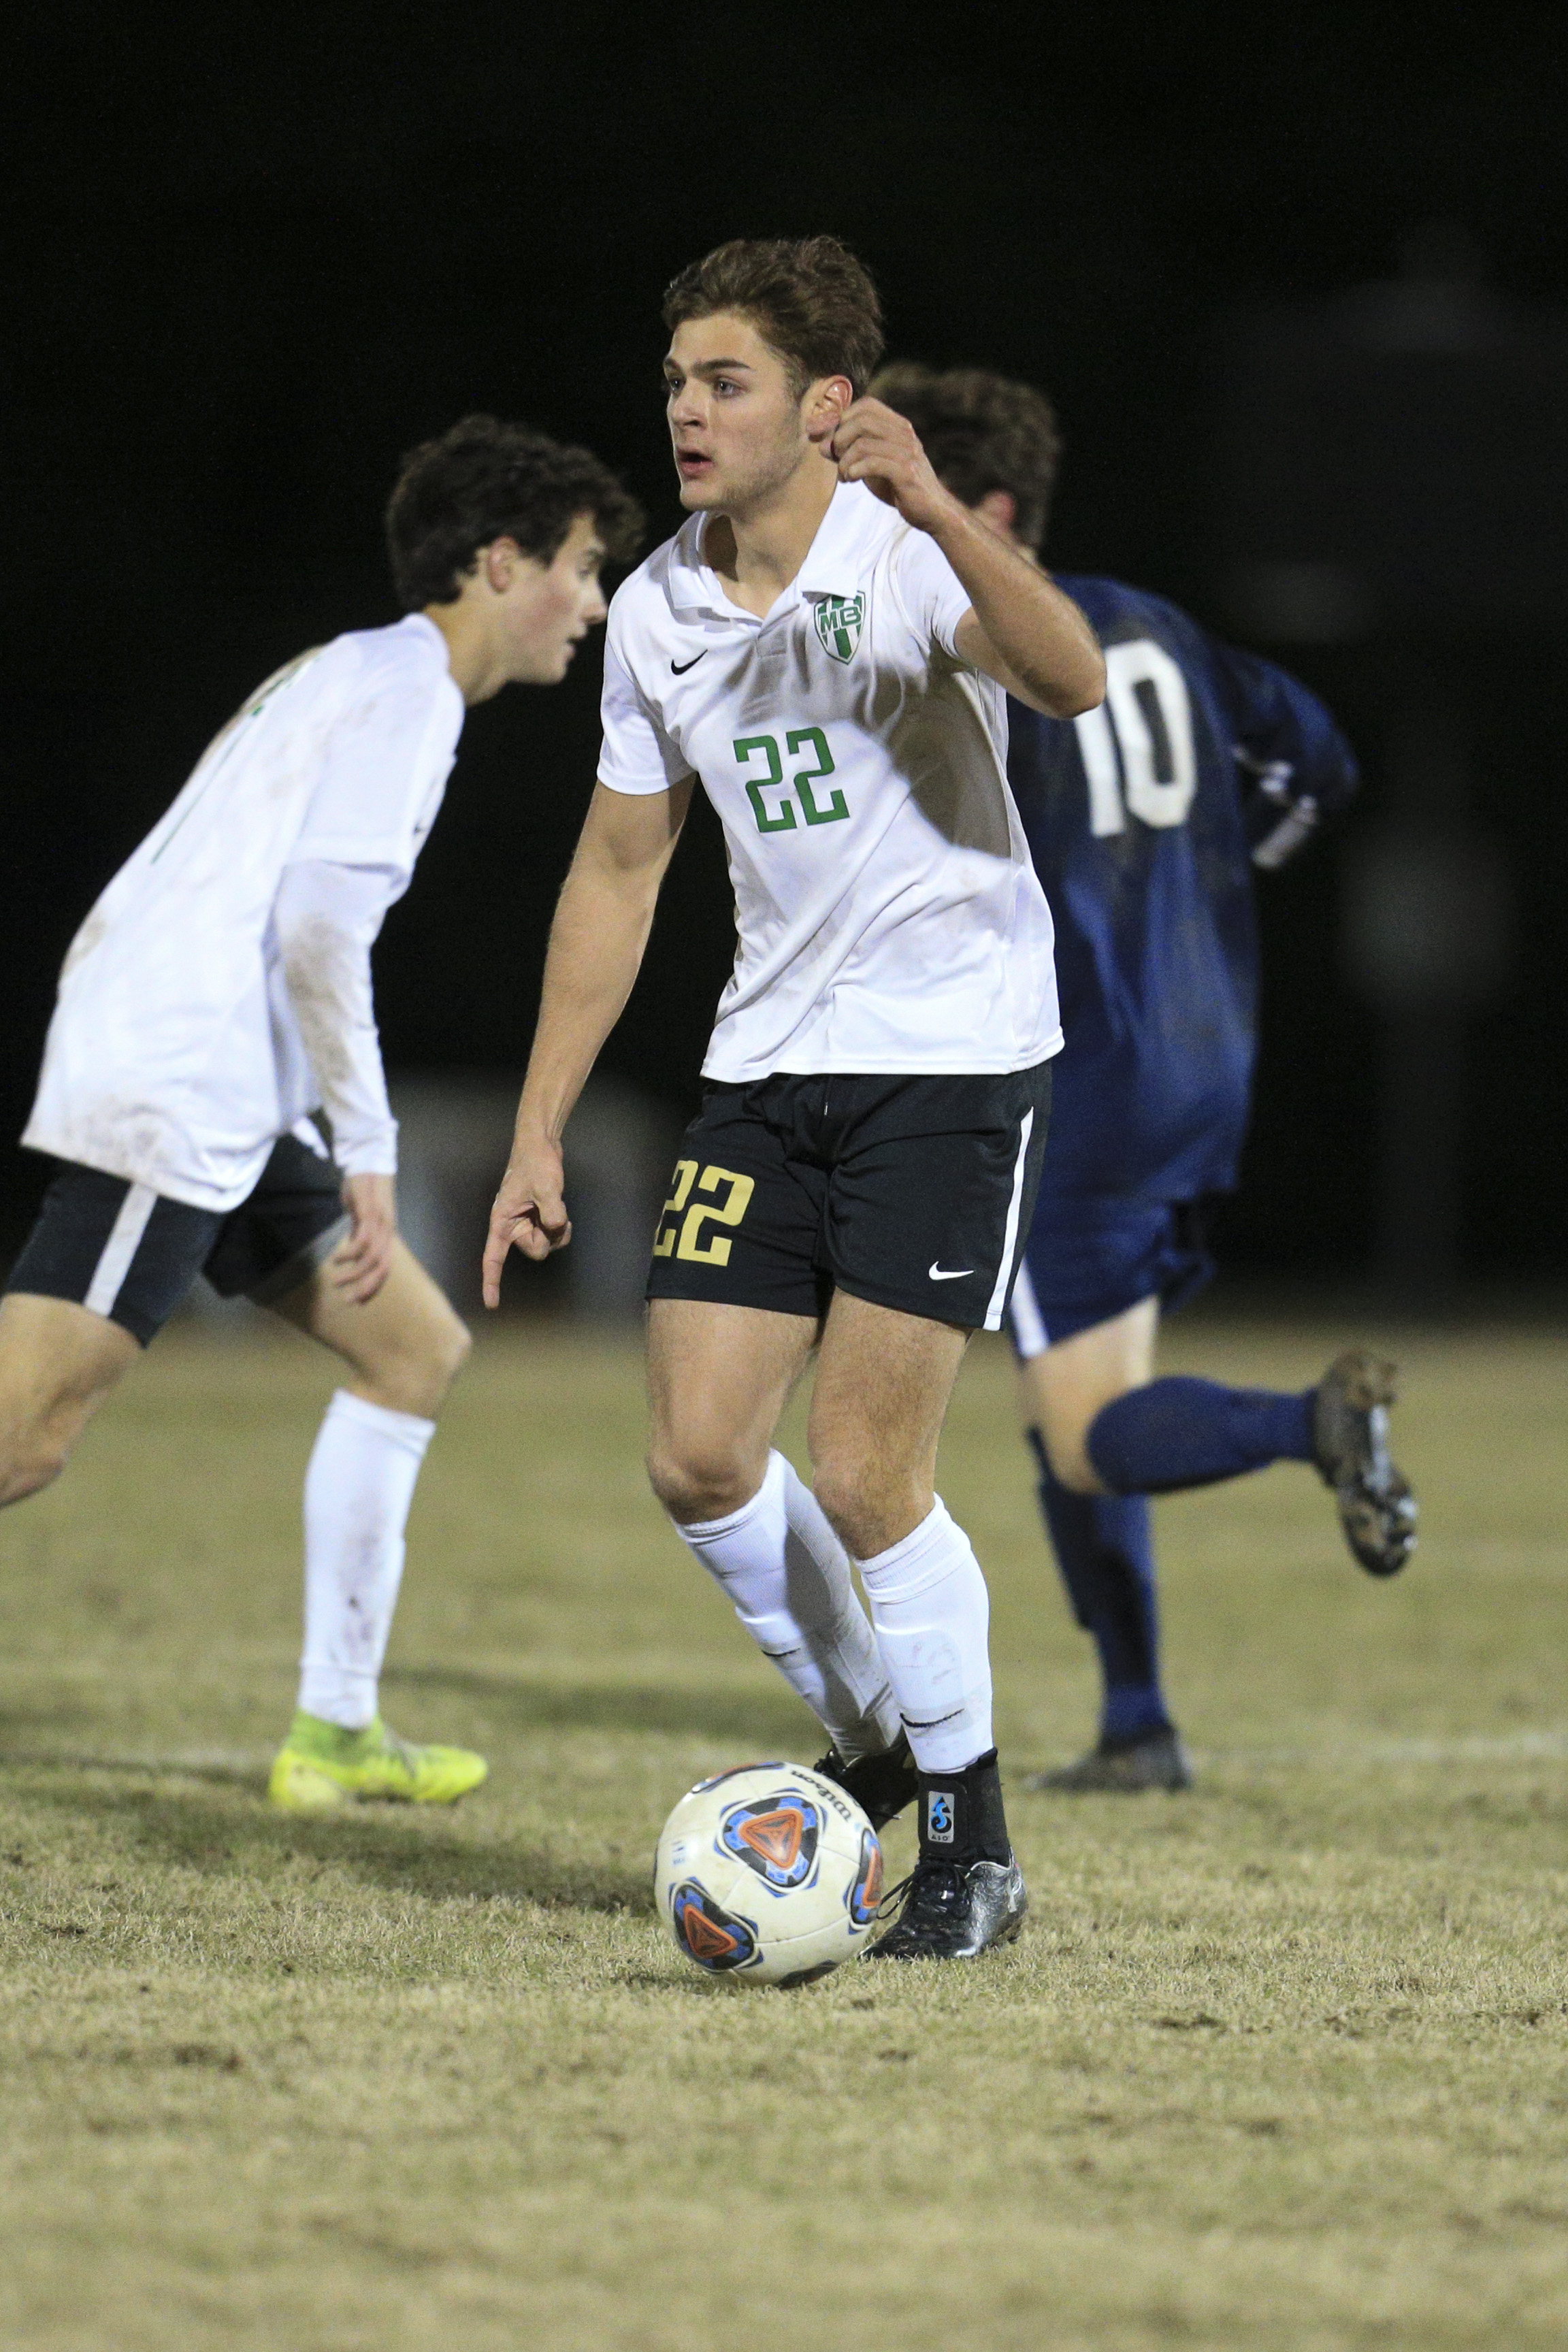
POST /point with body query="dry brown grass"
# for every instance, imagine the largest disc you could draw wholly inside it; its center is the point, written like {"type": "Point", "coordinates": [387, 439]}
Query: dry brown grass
{"type": "Point", "coordinates": [1280, 2064]}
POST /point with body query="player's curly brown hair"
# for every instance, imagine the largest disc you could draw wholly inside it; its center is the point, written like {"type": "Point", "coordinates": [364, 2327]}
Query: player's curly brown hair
{"type": "Point", "coordinates": [808, 297]}
{"type": "Point", "coordinates": [483, 480]}
{"type": "Point", "coordinates": [981, 432]}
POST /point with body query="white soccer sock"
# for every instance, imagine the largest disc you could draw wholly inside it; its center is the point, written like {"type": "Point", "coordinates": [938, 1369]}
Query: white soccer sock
{"type": "Point", "coordinates": [932, 1614]}
{"type": "Point", "coordinates": [358, 1490]}
{"type": "Point", "coordinates": [788, 1576]}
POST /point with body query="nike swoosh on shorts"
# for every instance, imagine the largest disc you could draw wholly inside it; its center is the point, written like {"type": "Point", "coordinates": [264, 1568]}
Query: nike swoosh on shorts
{"type": "Point", "coordinates": [947, 1273]}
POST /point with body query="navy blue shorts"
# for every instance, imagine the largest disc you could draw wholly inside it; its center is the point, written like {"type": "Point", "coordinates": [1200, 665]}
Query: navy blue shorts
{"type": "Point", "coordinates": [130, 1254]}
{"type": "Point", "coordinates": [1087, 1261]}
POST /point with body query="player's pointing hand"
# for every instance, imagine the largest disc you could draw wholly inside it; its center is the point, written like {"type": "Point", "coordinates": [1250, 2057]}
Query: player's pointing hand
{"type": "Point", "coordinates": [530, 1213]}
{"type": "Point", "coordinates": [875, 445]}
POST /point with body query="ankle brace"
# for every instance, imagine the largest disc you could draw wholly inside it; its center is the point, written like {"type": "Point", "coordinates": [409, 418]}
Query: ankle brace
{"type": "Point", "coordinates": [962, 1817]}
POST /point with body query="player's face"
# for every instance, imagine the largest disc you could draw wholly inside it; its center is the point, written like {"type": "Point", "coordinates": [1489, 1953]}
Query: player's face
{"type": "Point", "coordinates": [547, 609]}
{"type": "Point", "coordinates": [737, 428]}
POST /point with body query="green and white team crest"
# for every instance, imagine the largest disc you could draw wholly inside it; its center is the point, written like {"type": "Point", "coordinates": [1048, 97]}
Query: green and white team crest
{"type": "Point", "coordinates": [839, 620]}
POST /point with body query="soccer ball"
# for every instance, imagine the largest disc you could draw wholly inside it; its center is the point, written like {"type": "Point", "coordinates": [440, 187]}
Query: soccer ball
{"type": "Point", "coordinates": [768, 1874]}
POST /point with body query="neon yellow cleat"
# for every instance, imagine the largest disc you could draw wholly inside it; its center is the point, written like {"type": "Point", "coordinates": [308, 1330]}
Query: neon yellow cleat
{"type": "Point", "coordinates": [321, 1768]}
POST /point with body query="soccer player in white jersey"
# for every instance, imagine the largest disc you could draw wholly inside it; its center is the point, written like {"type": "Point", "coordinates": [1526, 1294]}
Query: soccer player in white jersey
{"type": "Point", "coordinates": [220, 992]}
{"type": "Point", "coordinates": [826, 646]}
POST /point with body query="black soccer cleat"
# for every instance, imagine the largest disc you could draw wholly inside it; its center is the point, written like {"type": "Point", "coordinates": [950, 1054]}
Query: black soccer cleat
{"type": "Point", "coordinates": [955, 1911]}
{"type": "Point", "coordinates": [1121, 1767]}
{"type": "Point", "coordinates": [1350, 1430]}
{"type": "Point", "coordinates": [882, 1786]}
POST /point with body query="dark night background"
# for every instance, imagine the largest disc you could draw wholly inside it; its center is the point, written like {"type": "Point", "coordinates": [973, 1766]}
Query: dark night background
{"type": "Point", "coordinates": [254, 254]}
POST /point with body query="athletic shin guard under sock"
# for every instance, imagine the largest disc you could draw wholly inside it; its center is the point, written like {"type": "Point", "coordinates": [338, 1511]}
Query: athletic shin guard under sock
{"type": "Point", "coordinates": [932, 1614]}
{"type": "Point", "coordinates": [1104, 1547]}
{"type": "Point", "coordinates": [1186, 1433]}
{"type": "Point", "coordinates": [788, 1576]}
{"type": "Point", "coordinates": [358, 1488]}
{"type": "Point", "coordinates": [962, 1817]}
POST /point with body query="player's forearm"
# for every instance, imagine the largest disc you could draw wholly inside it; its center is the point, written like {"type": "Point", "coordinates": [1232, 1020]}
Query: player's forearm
{"type": "Point", "coordinates": [327, 922]}
{"type": "Point", "coordinates": [1041, 636]}
{"type": "Point", "coordinates": [340, 1037]}
{"type": "Point", "coordinates": [597, 942]}
{"type": "Point", "coordinates": [596, 945]}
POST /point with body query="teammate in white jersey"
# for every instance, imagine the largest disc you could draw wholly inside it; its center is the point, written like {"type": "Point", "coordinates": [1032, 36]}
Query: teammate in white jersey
{"type": "Point", "coordinates": [826, 646]}
{"type": "Point", "coordinates": [220, 992]}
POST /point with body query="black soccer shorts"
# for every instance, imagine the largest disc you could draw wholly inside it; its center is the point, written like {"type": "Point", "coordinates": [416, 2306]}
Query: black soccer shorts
{"type": "Point", "coordinates": [130, 1254]}
{"type": "Point", "coordinates": [913, 1192]}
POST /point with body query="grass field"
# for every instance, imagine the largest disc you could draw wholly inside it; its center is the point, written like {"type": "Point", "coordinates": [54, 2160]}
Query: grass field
{"type": "Point", "coordinates": [1283, 2064]}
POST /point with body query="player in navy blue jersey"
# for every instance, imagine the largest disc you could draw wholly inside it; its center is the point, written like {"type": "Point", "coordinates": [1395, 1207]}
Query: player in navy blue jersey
{"type": "Point", "coordinates": [1146, 818]}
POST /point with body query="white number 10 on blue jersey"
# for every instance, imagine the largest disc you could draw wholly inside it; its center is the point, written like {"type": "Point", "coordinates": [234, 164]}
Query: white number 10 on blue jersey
{"type": "Point", "coordinates": [1148, 718]}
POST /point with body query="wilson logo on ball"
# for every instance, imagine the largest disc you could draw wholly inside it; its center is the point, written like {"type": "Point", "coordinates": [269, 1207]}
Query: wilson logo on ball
{"type": "Point", "coordinates": [732, 1773]}
{"type": "Point", "coordinates": [776, 1836]}
{"type": "Point", "coordinates": [713, 1938]}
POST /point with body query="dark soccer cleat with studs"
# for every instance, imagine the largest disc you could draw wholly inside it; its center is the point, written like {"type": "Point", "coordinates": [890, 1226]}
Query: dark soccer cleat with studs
{"type": "Point", "coordinates": [1350, 1428]}
{"type": "Point", "coordinates": [1157, 1759]}
{"type": "Point", "coordinates": [965, 1893]}
{"type": "Point", "coordinates": [955, 1911]}
{"type": "Point", "coordinates": [882, 1786]}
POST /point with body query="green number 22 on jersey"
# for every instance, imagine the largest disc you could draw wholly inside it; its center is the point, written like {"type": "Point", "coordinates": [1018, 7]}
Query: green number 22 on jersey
{"type": "Point", "coordinates": [773, 801]}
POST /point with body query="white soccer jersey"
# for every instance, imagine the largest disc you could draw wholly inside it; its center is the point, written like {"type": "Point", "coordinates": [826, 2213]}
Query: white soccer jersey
{"type": "Point", "coordinates": [173, 1057]}
{"type": "Point", "coordinates": [889, 916]}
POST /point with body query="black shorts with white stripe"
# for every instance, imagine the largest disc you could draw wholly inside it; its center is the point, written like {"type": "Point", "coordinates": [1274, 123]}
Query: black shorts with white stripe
{"type": "Point", "coordinates": [130, 1254]}
{"type": "Point", "coordinates": [914, 1192]}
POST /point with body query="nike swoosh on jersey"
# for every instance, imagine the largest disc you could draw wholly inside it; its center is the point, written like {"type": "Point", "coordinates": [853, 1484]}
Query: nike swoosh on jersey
{"type": "Point", "coordinates": [948, 1272]}
{"type": "Point", "coordinates": [678, 670]}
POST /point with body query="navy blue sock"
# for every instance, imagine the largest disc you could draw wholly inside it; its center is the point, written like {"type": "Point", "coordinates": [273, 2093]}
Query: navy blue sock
{"type": "Point", "coordinates": [1184, 1432]}
{"type": "Point", "coordinates": [1105, 1551]}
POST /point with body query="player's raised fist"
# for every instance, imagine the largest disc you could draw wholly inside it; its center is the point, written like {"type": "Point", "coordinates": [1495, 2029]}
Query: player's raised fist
{"type": "Point", "coordinates": [875, 445]}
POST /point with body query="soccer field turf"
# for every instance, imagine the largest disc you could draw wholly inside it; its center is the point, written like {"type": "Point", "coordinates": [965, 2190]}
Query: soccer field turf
{"type": "Point", "coordinates": [1277, 2063]}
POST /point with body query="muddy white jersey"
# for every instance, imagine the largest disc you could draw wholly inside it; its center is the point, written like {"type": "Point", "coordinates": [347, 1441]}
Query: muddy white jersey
{"type": "Point", "coordinates": [173, 1057]}
{"type": "Point", "coordinates": [889, 915]}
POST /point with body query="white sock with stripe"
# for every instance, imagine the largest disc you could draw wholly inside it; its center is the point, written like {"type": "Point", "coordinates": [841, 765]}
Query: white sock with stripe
{"type": "Point", "coordinates": [932, 1616]}
{"type": "Point", "coordinates": [358, 1490]}
{"type": "Point", "coordinates": [788, 1576]}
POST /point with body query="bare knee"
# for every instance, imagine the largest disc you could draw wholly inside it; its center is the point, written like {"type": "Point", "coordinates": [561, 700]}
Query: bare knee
{"type": "Point", "coordinates": [58, 1363]}
{"type": "Point", "coordinates": [444, 1346]}
{"type": "Point", "coordinates": [871, 1504]}
{"type": "Point", "coordinates": [1066, 1388]}
{"type": "Point", "coordinates": [1061, 1416]}
{"type": "Point", "coordinates": [25, 1469]}
{"type": "Point", "coordinates": [698, 1481]}
{"type": "Point", "coordinates": [1066, 1454]}
{"type": "Point", "coordinates": [453, 1347]}
{"type": "Point", "coordinates": [36, 1443]}
{"type": "Point", "coordinates": [414, 1372]}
